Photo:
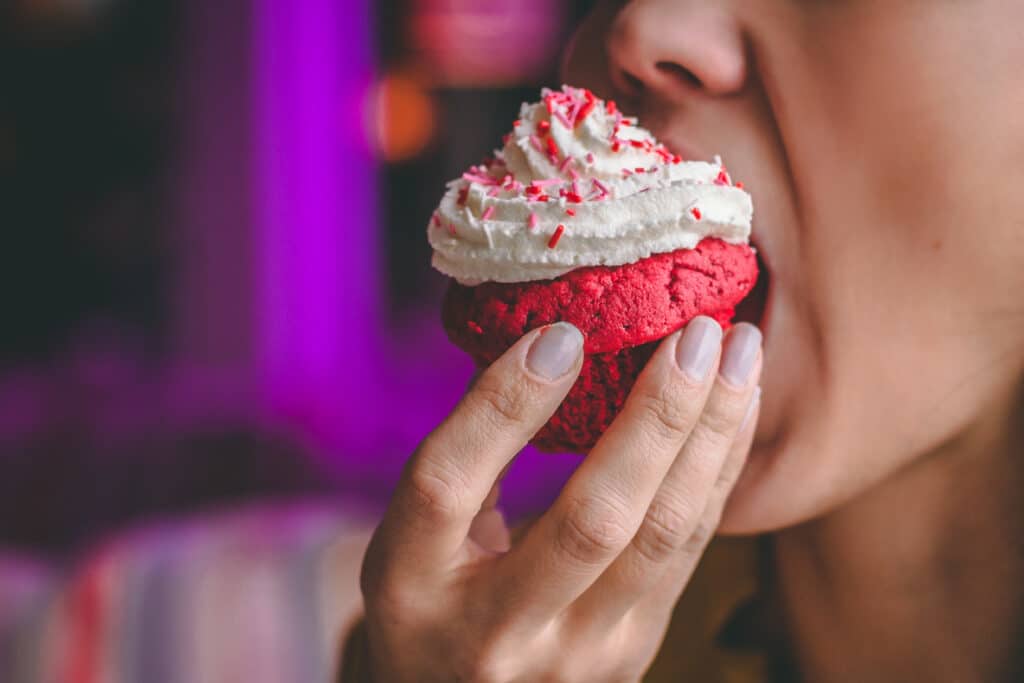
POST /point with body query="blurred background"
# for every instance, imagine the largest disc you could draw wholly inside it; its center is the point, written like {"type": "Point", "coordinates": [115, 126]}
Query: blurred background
{"type": "Point", "coordinates": [215, 278]}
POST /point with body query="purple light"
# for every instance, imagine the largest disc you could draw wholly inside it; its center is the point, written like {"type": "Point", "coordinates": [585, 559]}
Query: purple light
{"type": "Point", "coordinates": [315, 195]}
{"type": "Point", "coordinates": [351, 383]}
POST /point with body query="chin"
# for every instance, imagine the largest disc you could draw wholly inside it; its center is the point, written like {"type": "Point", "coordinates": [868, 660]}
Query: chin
{"type": "Point", "coordinates": [756, 505]}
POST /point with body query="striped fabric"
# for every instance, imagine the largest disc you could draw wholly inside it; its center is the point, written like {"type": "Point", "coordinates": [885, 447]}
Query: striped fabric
{"type": "Point", "coordinates": [261, 595]}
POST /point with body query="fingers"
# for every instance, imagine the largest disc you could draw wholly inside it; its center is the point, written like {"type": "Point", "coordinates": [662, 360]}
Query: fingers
{"type": "Point", "coordinates": [660, 601]}
{"type": "Point", "coordinates": [447, 481]}
{"type": "Point", "coordinates": [604, 502]}
{"type": "Point", "coordinates": [685, 510]}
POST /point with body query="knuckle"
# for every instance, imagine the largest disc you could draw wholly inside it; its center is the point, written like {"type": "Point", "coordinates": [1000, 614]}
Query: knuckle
{"type": "Point", "coordinates": [664, 532]}
{"type": "Point", "coordinates": [703, 532]}
{"type": "Point", "coordinates": [501, 404]}
{"type": "Point", "coordinates": [663, 413]}
{"type": "Point", "coordinates": [592, 531]}
{"type": "Point", "coordinates": [712, 435]}
{"type": "Point", "coordinates": [434, 497]}
{"type": "Point", "coordinates": [724, 413]}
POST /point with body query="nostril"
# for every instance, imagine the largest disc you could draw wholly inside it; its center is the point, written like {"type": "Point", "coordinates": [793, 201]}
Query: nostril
{"type": "Point", "coordinates": [681, 73]}
{"type": "Point", "coordinates": [633, 84]}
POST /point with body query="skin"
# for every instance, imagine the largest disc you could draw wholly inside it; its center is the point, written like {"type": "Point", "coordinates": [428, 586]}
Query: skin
{"type": "Point", "coordinates": [882, 144]}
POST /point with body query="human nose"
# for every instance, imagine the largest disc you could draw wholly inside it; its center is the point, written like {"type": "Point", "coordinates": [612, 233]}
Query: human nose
{"type": "Point", "coordinates": [672, 49]}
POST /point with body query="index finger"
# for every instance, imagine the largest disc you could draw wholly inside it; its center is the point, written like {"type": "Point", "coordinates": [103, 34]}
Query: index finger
{"type": "Point", "coordinates": [447, 480]}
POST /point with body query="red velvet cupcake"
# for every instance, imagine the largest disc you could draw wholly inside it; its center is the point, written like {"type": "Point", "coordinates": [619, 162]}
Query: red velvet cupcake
{"type": "Point", "coordinates": [583, 217]}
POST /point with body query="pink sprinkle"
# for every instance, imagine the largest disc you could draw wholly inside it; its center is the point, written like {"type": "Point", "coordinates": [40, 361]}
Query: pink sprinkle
{"type": "Point", "coordinates": [437, 220]}
{"type": "Point", "coordinates": [451, 229]}
{"type": "Point", "coordinates": [626, 172]}
{"type": "Point", "coordinates": [532, 223]}
{"type": "Point", "coordinates": [601, 186]}
{"type": "Point", "coordinates": [535, 141]}
{"type": "Point", "coordinates": [516, 186]}
{"type": "Point", "coordinates": [483, 180]}
{"type": "Point", "coordinates": [565, 165]}
{"type": "Point", "coordinates": [561, 118]}
{"type": "Point", "coordinates": [573, 174]}
{"type": "Point", "coordinates": [575, 187]}
{"type": "Point", "coordinates": [493, 192]}
{"type": "Point", "coordinates": [488, 213]}
{"type": "Point", "coordinates": [546, 182]}
{"type": "Point", "coordinates": [590, 157]}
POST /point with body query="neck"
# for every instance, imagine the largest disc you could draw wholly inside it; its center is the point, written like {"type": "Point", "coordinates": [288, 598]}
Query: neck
{"type": "Point", "coordinates": [919, 579]}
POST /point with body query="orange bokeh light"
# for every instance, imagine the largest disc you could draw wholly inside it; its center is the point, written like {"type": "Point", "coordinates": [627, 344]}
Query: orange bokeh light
{"type": "Point", "coordinates": [402, 117]}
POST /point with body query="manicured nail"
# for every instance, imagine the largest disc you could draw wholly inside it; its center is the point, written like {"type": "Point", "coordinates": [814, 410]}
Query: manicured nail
{"type": "Point", "coordinates": [755, 401]}
{"type": "Point", "coordinates": [555, 351]}
{"type": "Point", "coordinates": [740, 354]}
{"type": "Point", "coordinates": [698, 347]}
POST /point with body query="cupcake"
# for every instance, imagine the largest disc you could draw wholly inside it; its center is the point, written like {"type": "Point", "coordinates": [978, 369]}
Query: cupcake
{"type": "Point", "coordinates": [584, 217]}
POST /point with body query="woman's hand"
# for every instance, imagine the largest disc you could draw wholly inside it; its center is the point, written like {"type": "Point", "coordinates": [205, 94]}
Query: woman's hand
{"type": "Point", "coordinates": [587, 592]}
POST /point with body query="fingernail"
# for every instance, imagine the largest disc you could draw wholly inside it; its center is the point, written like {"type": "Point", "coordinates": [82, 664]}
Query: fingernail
{"type": "Point", "coordinates": [740, 354]}
{"type": "Point", "coordinates": [755, 400]}
{"type": "Point", "coordinates": [555, 351]}
{"type": "Point", "coordinates": [698, 347]}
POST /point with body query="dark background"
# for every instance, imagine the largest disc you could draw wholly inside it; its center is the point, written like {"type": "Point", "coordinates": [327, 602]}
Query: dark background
{"type": "Point", "coordinates": [137, 280]}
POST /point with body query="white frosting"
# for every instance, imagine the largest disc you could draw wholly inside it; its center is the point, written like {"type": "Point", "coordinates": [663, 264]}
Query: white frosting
{"type": "Point", "coordinates": [624, 216]}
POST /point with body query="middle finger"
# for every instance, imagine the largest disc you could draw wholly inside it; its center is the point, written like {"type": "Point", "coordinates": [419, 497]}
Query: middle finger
{"type": "Point", "coordinates": [604, 502]}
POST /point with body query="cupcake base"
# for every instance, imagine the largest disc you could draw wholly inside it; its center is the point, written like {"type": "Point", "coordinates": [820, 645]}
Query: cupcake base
{"type": "Point", "coordinates": [622, 311]}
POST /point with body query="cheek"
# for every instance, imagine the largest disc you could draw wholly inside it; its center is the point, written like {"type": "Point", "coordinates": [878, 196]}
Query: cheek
{"type": "Point", "coordinates": [585, 59]}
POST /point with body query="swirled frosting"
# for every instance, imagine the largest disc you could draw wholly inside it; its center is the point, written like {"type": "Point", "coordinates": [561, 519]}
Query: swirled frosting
{"type": "Point", "coordinates": [579, 184]}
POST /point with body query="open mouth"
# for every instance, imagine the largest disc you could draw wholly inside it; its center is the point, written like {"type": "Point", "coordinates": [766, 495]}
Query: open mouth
{"type": "Point", "coordinates": [753, 309]}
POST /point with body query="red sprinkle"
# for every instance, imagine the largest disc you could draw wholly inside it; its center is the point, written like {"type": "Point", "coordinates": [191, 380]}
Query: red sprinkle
{"type": "Point", "coordinates": [573, 197]}
{"type": "Point", "coordinates": [571, 212]}
{"type": "Point", "coordinates": [610, 106]}
{"type": "Point", "coordinates": [739, 186]}
{"type": "Point", "coordinates": [515, 124]}
{"type": "Point", "coordinates": [696, 213]}
{"type": "Point", "coordinates": [637, 143]}
{"type": "Point", "coordinates": [474, 328]}
{"type": "Point", "coordinates": [463, 193]}
{"type": "Point", "coordinates": [640, 170]}
{"type": "Point", "coordinates": [543, 198]}
{"type": "Point", "coordinates": [585, 110]}
{"type": "Point", "coordinates": [505, 138]}
{"type": "Point", "coordinates": [722, 179]}
{"type": "Point", "coordinates": [553, 242]}
{"type": "Point", "coordinates": [437, 220]}
{"type": "Point", "coordinates": [552, 147]}
{"type": "Point", "coordinates": [677, 159]}
{"type": "Point", "coordinates": [544, 127]}
{"type": "Point", "coordinates": [616, 146]}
